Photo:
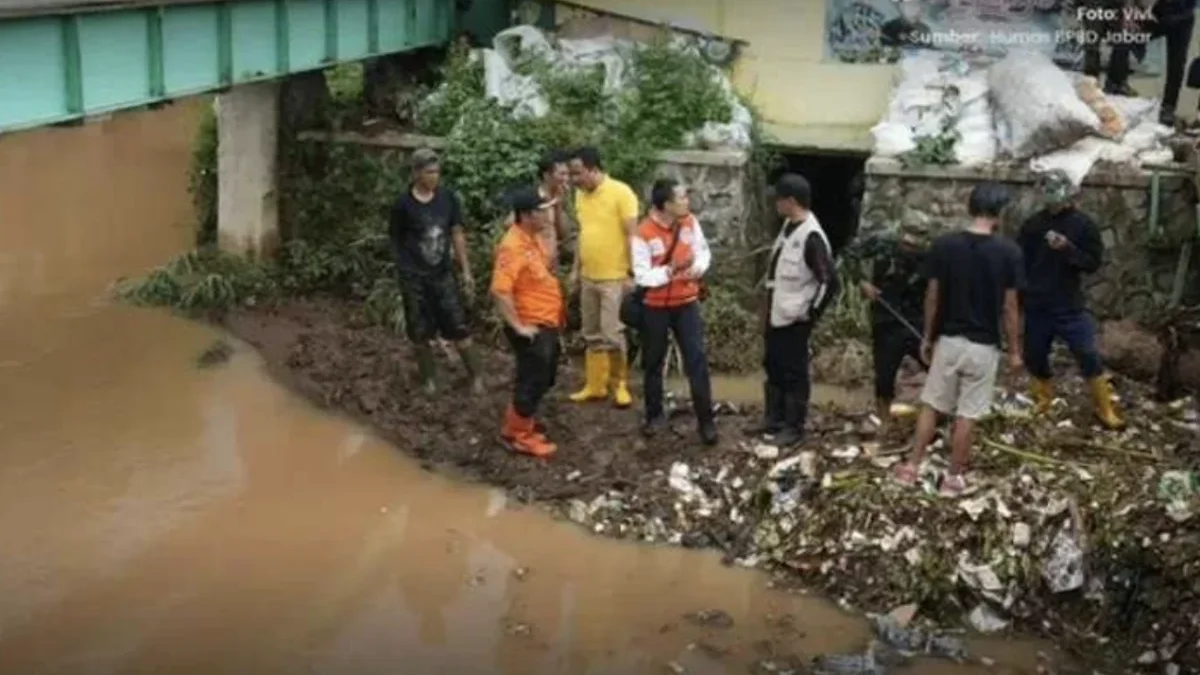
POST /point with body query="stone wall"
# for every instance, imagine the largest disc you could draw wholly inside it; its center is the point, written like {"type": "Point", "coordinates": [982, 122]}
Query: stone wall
{"type": "Point", "coordinates": [1142, 257]}
{"type": "Point", "coordinates": [718, 180]}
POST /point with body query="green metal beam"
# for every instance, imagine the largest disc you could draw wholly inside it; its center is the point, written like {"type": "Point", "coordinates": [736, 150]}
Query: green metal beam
{"type": "Point", "coordinates": [65, 67]}
{"type": "Point", "coordinates": [331, 31]}
{"type": "Point", "coordinates": [224, 45]}
{"type": "Point", "coordinates": [373, 26]}
{"type": "Point", "coordinates": [154, 52]}
{"type": "Point", "coordinates": [72, 65]}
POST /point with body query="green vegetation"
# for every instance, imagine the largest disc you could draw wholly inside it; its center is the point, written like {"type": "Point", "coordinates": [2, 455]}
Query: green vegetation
{"type": "Point", "coordinates": [336, 197]}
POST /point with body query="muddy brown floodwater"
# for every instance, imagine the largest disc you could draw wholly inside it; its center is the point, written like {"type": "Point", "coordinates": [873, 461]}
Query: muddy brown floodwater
{"type": "Point", "coordinates": [156, 517]}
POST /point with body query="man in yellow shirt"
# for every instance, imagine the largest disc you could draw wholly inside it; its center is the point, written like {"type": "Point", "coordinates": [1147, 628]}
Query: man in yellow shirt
{"type": "Point", "coordinates": [606, 210]}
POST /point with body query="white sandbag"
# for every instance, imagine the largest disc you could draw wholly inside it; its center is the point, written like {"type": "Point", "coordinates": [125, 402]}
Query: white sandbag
{"type": "Point", "coordinates": [1115, 152]}
{"type": "Point", "coordinates": [1156, 156]}
{"type": "Point", "coordinates": [975, 154]}
{"type": "Point", "coordinates": [979, 125]}
{"type": "Point", "coordinates": [892, 139]}
{"type": "Point", "coordinates": [606, 51]}
{"type": "Point", "coordinates": [512, 89]}
{"type": "Point", "coordinates": [1145, 136]}
{"type": "Point", "coordinates": [1039, 102]}
{"type": "Point", "coordinates": [920, 65]}
{"type": "Point", "coordinates": [1076, 160]}
{"type": "Point", "coordinates": [973, 89]}
{"type": "Point", "coordinates": [1134, 109]}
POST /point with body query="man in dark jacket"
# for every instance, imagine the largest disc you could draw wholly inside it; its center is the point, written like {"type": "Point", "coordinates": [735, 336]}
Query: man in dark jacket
{"type": "Point", "coordinates": [1059, 245]}
{"type": "Point", "coordinates": [897, 280]}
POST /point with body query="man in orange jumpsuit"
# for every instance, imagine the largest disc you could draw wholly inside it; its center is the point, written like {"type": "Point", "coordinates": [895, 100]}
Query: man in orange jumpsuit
{"type": "Point", "coordinates": [529, 299]}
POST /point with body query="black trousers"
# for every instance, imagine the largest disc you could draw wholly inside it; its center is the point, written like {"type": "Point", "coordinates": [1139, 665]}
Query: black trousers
{"type": "Point", "coordinates": [890, 343]}
{"type": "Point", "coordinates": [432, 308]}
{"type": "Point", "coordinates": [786, 359]}
{"type": "Point", "coordinates": [1178, 34]}
{"type": "Point", "coordinates": [687, 325]}
{"type": "Point", "coordinates": [1119, 53]}
{"type": "Point", "coordinates": [536, 368]}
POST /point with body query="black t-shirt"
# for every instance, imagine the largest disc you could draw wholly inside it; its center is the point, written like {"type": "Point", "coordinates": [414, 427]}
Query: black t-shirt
{"type": "Point", "coordinates": [973, 272]}
{"type": "Point", "coordinates": [421, 232]}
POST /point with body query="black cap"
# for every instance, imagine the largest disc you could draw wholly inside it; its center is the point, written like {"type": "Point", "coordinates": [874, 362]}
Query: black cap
{"type": "Point", "coordinates": [526, 199]}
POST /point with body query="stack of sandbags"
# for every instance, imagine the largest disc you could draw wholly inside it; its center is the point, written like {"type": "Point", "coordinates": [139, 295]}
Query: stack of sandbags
{"type": "Point", "coordinates": [976, 130]}
{"type": "Point", "coordinates": [935, 94]}
{"type": "Point", "coordinates": [1036, 105]}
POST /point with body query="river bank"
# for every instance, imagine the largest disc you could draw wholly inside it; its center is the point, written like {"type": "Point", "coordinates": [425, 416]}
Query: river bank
{"type": "Point", "coordinates": [1065, 534]}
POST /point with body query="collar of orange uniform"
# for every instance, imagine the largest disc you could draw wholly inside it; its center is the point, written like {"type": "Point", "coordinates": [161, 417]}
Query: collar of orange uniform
{"type": "Point", "coordinates": [528, 239]}
{"type": "Point", "coordinates": [680, 223]}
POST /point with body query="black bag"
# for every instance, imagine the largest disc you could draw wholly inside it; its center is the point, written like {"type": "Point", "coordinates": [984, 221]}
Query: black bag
{"type": "Point", "coordinates": [633, 305]}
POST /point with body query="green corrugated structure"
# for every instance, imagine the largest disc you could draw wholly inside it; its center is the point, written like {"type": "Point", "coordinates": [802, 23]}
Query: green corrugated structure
{"type": "Point", "coordinates": [68, 65]}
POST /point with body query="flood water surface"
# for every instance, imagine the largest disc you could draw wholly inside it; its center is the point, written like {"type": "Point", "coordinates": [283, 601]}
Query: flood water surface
{"type": "Point", "coordinates": [158, 517]}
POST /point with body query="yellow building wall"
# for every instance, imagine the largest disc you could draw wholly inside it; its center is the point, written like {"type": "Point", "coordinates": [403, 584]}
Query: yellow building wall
{"type": "Point", "coordinates": [806, 102]}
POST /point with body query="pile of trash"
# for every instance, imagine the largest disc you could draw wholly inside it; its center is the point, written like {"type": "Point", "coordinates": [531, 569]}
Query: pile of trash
{"type": "Point", "coordinates": [1067, 529]}
{"type": "Point", "coordinates": [1021, 108]}
{"type": "Point", "coordinates": [523, 95]}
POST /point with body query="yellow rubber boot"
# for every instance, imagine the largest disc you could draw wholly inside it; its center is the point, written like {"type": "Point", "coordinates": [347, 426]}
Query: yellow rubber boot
{"type": "Point", "coordinates": [595, 385]}
{"type": "Point", "coordinates": [620, 380]}
{"type": "Point", "coordinates": [1043, 396]}
{"type": "Point", "coordinates": [1102, 399]}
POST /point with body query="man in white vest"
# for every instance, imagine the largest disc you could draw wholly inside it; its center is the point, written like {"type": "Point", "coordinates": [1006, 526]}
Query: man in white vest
{"type": "Point", "coordinates": [801, 282]}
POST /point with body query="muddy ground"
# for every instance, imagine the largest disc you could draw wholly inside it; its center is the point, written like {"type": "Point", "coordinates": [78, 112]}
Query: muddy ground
{"type": "Point", "coordinates": [342, 363]}
{"type": "Point", "coordinates": [850, 535]}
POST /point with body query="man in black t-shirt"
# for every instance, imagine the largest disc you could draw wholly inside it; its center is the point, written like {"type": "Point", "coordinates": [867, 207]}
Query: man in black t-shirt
{"type": "Point", "coordinates": [424, 221]}
{"type": "Point", "coordinates": [974, 279]}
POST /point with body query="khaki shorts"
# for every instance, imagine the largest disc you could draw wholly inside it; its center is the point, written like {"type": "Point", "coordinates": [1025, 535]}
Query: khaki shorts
{"type": "Point", "coordinates": [600, 313]}
{"type": "Point", "coordinates": [961, 378]}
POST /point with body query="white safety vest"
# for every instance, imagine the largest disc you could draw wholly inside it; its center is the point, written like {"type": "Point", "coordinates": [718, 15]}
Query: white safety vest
{"type": "Point", "coordinates": [795, 289]}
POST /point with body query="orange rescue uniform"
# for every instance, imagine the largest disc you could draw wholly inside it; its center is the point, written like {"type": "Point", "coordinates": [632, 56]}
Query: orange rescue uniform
{"type": "Point", "coordinates": [523, 271]}
{"type": "Point", "coordinates": [680, 290]}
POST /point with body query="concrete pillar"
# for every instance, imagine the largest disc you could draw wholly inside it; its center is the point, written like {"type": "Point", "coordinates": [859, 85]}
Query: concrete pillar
{"type": "Point", "coordinates": [247, 196]}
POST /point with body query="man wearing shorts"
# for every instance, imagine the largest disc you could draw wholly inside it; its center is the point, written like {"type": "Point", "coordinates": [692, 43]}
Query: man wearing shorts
{"type": "Point", "coordinates": [606, 210]}
{"type": "Point", "coordinates": [974, 278]}
{"type": "Point", "coordinates": [423, 222]}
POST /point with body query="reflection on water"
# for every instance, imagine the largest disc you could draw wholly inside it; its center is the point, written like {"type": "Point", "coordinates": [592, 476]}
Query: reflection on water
{"type": "Point", "coordinates": [158, 518]}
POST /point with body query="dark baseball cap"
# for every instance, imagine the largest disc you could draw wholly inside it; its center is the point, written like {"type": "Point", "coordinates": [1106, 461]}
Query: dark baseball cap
{"type": "Point", "coordinates": [526, 199]}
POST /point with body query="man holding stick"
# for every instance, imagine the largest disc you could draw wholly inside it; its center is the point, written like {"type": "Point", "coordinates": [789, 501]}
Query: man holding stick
{"type": "Point", "coordinates": [897, 290]}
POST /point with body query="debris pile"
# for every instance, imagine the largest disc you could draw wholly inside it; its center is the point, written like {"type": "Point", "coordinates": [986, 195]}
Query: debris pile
{"type": "Point", "coordinates": [1085, 534]}
{"type": "Point", "coordinates": [948, 109]}
{"type": "Point", "coordinates": [505, 83]}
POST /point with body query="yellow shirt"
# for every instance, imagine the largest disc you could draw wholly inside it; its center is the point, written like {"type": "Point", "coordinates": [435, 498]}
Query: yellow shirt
{"type": "Point", "coordinates": [603, 239]}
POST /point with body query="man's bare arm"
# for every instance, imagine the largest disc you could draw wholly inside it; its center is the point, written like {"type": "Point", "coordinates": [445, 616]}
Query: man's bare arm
{"type": "Point", "coordinates": [560, 220]}
{"type": "Point", "coordinates": [1012, 321]}
{"type": "Point", "coordinates": [932, 300]}
{"type": "Point", "coordinates": [460, 251]}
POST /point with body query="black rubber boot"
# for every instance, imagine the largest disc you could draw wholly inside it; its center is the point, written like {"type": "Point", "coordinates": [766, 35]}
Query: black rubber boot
{"type": "Point", "coordinates": [795, 415]}
{"type": "Point", "coordinates": [470, 359]}
{"type": "Point", "coordinates": [653, 427]}
{"type": "Point", "coordinates": [708, 432]}
{"type": "Point", "coordinates": [773, 416]}
{"type": "Point", "coordinates": [426, 368]}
